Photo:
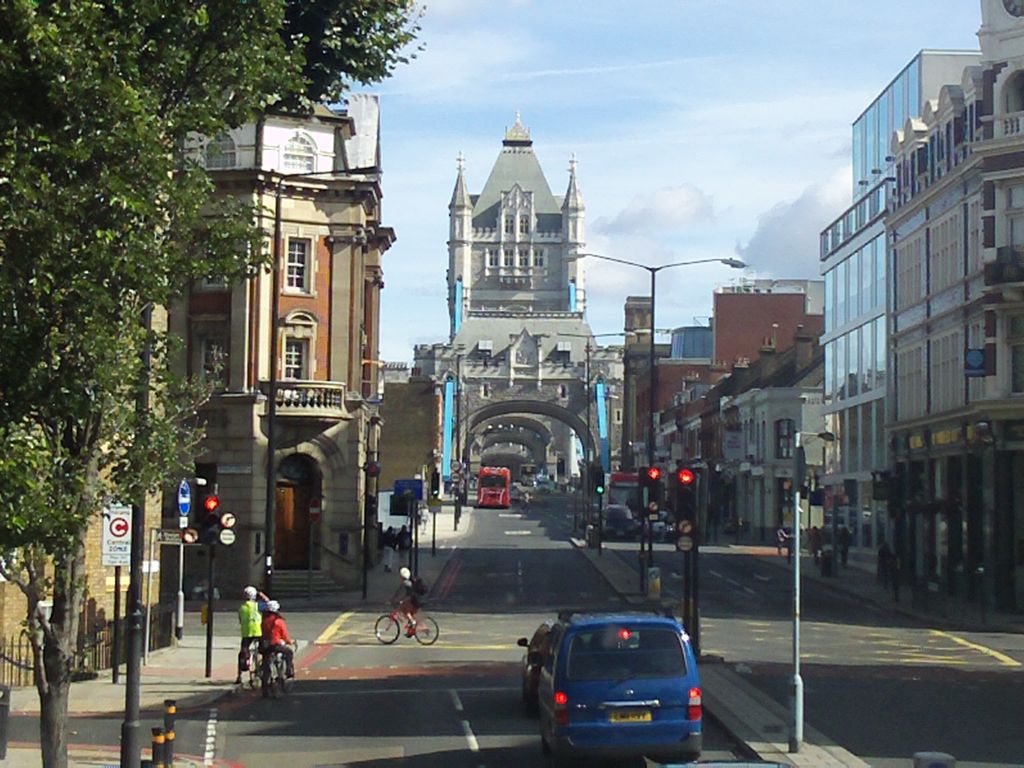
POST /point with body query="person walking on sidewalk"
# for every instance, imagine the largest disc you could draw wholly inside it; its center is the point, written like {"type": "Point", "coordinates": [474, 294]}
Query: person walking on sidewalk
{"type": "Point", "coordinates": [884, 572]}
{"type": "Point", "coordinates": [390, 543]}
{"type": "Point", "coordinates": [814, 539]}
{"type": "Point", "coordinates": [844, 544]}
{"type": "Point", "coordinates": [250, 626]}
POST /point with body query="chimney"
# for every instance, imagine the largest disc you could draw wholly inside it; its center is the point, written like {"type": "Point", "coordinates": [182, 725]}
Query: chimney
{"type": "Point", "coordinates": [805, 344]}
{"type": "Point", "coordinates": [768, 360]}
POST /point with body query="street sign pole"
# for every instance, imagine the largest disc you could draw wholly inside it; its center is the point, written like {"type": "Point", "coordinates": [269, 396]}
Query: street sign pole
{"type": "Point", "coordinates": [184, 507]}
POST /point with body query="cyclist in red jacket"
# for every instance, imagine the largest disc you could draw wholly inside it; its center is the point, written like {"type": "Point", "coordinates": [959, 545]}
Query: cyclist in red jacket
{"type": "Point", "coordinates": [276, 637]}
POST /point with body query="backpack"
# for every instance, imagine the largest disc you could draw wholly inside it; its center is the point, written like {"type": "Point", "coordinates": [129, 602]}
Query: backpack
{"type": "Point", "coordinates": [419, 586]}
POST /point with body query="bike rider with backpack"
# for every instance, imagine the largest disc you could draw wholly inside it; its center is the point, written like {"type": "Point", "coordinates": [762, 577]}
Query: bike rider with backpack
{"type": "Point", "coordinates": [411, 590]}
{"type": "Point", "coordinates": [276, 639]}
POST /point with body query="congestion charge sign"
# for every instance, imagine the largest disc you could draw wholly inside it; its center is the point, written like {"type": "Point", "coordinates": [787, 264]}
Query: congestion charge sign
{"type": "Point", "coordinates": [117, 534]}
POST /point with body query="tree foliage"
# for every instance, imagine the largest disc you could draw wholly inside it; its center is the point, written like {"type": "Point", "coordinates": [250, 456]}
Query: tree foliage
{"type": "Point", "coordinates": [101, 219]}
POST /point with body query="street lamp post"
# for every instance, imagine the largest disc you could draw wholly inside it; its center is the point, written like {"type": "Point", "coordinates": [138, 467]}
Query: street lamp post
{"type": "Point", "coordinates": [653, 371]}
{"type": "Point", "coordinates": [796, 691]}
{"type": "Point", "coordinates": [270, 509]}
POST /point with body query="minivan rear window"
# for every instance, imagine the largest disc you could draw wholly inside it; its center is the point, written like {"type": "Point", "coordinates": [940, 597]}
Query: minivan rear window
{"type": "Point", "coordinates": [621, 652]}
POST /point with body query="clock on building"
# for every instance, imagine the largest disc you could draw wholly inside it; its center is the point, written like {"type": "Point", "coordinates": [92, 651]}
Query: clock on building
{"type": "Point", "coordinates": [1014, 7]}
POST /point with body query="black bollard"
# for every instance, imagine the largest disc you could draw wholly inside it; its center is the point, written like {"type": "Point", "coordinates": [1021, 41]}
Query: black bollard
{"type": "Point", "coordinates": [170, 710]}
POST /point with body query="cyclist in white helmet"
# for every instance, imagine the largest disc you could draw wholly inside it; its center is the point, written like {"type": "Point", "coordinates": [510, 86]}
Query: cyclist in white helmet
{"type": "Point", "coordinates": [276, 637]}
{"type": "Point", "coordinates": [408, 594]}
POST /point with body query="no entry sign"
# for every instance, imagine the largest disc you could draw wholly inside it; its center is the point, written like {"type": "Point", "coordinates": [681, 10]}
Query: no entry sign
{"type": "Point", "coordinates": [117, 534]}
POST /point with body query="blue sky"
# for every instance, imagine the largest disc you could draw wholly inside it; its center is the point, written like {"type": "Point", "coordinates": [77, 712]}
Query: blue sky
{"type": "Point", "coordinates": [702, 128]}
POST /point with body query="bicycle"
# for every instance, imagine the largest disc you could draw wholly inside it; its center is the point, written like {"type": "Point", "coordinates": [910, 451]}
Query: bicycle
{"type": "Point", "coordinates": [252, 665]}
{"type": "Point", "coordinates": [389, 626]}
{"type": "Point", "coordinates": [273, 678]}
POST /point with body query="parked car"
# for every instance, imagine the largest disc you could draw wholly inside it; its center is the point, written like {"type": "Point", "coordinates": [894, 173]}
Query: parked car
{"type": "Point", "coordinates": [619, 686]}
{"type": "Point", "coordinates": [619, 523]}
{"type": "Point", "coordinates": [537, 648]}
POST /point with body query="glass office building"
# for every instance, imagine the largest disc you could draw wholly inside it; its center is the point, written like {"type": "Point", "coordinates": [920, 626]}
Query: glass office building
{"type": "Point", "coordinates": [854, 265]}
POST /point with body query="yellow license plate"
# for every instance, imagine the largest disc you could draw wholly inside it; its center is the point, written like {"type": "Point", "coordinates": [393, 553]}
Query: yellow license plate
{"type": "Point", "coordinates": [631, 716]}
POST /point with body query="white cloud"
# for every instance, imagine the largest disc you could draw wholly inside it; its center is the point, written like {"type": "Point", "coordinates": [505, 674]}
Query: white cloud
{"type": "Point", "coordinates": [785, 243]}
{"type": "Point", "coordinates": [661, 209]}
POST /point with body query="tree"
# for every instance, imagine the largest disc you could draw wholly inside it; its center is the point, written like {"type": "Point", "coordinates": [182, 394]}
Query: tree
{"type": "Point", "coordinates": [100, 221]}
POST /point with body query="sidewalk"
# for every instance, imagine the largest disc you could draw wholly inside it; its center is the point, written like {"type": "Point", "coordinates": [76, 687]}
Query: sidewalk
{"type": "Point", "coordinates": [178, 672]}
{"type": "Point", "coordinates": [858, 578]}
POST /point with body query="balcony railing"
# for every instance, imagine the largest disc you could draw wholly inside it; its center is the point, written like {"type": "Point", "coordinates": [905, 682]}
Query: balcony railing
{"type": "Point", "coordinates": [1011, 124]}
{"type": "Point", "coordinates": [310, 399]}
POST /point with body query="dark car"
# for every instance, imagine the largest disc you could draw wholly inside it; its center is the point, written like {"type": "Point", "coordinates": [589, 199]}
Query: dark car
{"type": "Point", "coordinates": [619, 686]}
{"type": "Point", "coordinates": [536, 653]}
{"type": "Point", "coordinates": [619, 523]}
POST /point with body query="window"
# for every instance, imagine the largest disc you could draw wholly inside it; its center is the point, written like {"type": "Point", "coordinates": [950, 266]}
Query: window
{"type": "Point", "coordinates": [297, 267]}
{"type": "Point", "coordinates": [485, 390]}
{"type": "Point", "coordinates": [220, 152]}
{"type": "Point", "coordinates": [524, 224]}
{"type": "Point", "coordinates": [296, 354]}
{"type": "Point", "coordinates": [1015, 338]}
{"type": "Point", "coordinates": [508, 257]}
{"type": "Point", "coordinates": [510, 225]}
{"type": "Point", "coordinates": [492, 258]}
{"type": "Point", "coordinates": [524, 258]}
{"type": "Point", "coordinates": [784, 439]}
{"type": "Point", "coordinates": [538, 257]}
{"type": "Point", "coordinates": [215, 362]}
{"type": "Point", "coordinates": [299, 154]}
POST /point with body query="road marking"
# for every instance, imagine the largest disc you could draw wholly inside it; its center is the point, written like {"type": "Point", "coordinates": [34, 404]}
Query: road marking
{"type": "Point", "coordinates": [518, 533]}
{"type": "Point", "coordinates": [474, 746]}
{"type": "Point", "coordinates": [1002, 658]}
{"type": "Point", "coordinates": [328, 633]}
{"type": "Point", "coordinates": [716, 574]}
{"type": "Point", "coordinates": [511, 514]}
{"type": "Point", "coordinates": [211, 738]}
{"type": "Point", "coordinates": [456, 701]}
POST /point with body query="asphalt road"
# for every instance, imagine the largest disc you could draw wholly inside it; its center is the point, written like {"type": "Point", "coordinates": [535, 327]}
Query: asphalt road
{"type": "Point", "coordinates": [454, 704]}
{"type": "Point", "coordinates": [879, 684]}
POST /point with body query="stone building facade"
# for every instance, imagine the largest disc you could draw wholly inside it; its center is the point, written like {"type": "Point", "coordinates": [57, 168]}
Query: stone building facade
{"type": "Point", "coordinates": [514, 373]}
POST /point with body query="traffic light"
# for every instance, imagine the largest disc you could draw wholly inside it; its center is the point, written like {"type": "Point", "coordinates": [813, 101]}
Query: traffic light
{"type": "Point", "coordinates": [650, 478]}
{"type": "Point", "coordinates": [686, 498]}
{"type": "Point", "coordinates": [372, 468]}
{"type": "Point", "coordinates": [216, 526]}
{"type": "Point", "coordinates": [598, 475]}
{"type": "Point", "coordinates": [435, 484]}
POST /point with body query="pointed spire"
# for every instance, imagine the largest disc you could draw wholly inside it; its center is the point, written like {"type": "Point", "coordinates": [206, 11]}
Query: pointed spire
{"type": "Point", "coordinates": [573, 196]}
{"type": "Point", "coordinates": [460, 196]}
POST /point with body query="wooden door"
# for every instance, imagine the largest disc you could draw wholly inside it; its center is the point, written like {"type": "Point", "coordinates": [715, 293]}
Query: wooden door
{"type": "Point", "coordinates": [291, 531]}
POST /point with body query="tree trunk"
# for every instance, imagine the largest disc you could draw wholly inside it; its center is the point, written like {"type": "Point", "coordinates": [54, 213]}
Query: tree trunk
{"type": "Point", "coordinates": [54, 659]}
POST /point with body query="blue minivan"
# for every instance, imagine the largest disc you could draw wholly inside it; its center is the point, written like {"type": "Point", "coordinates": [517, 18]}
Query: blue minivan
{"type": "Point", "coordinates": [619, 685]}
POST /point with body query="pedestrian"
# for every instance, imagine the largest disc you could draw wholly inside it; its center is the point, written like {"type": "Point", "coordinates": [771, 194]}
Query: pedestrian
{"type": "Point", "coordinates": [404, 539]}
{"type": "Point", "coordinates": [844, 544]}
{"type": "Point", "coordinates": [781, 539]}
{"type": "Point", "coordinates": [884, 564]}
{"type": "Point", "coordinates": [815, 541]}
{"type": "Point", "coordinates": [389, 541]}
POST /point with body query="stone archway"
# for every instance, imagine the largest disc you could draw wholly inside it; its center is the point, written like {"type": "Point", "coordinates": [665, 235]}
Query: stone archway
{"type": "Point", "coordinates": [537, 407]}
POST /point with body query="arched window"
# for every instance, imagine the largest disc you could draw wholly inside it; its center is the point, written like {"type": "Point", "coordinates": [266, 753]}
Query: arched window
{"type": "Point", "coordinates": [299, 154]}
{"type": "Point", "coordinates": [220, 152]}
{"type": "Point", "coordinates": [299, 334]}
{"type": "Point", "coordinates": [1014, 90]}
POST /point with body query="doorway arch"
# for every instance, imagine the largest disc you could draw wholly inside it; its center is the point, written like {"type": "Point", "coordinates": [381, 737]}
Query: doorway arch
{"type": "Point", "coordinates": [298, 484]}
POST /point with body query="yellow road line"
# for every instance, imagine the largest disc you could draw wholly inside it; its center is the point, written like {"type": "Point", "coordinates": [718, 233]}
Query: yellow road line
{"type": "Point", "coordinates": [1002, 658]}
{"type": "Point", "coordinates": [328, 633]}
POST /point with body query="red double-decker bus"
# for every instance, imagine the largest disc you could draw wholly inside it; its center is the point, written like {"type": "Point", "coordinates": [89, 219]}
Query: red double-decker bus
{"type": "Point", "coordinates": [624, 490]}
{"type": "Point", "coordinates": [494, 488]}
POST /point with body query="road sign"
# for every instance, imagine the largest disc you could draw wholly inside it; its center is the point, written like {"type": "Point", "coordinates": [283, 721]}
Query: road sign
{"type": "Point", "coordinates": [314, 511]}
{"type": "Point", "coordinates": [184, 498]}
{"type": "Point", "coordinates": [190, 536]}
{"type": "Point", "coordinates": [414, 486]}
{"type": "Point", "coordinates": [684, 543]}
{"type": "Point", "coordinates": [227, 536]}
{"type": "Point", "coordinates": [685, 526]}
{"type": "Point", "coordinates": [168, 536]}
{"type": "Point", "coordinates": [117, 534]}
{"type": "Point", "coordinates": [228, 520]}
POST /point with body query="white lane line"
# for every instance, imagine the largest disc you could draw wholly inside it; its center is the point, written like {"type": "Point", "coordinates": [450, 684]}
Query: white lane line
{"type": "Point", "coordinates": [210, 751]}
{"type": "Point", "coordinates": [515, 515]}
{"type": "Point", "coordinates": [474, 746]}
{"type": "Point", "coordinates": [751, 591]}
{"type": "Point", "coordinates": [456, 700]}
{"type": "Point", "coordinates": [716, 574]}
{"type": "Point", "coordinates": [518, 533]}
{"type": "Point", "coordinates": [735, 583]}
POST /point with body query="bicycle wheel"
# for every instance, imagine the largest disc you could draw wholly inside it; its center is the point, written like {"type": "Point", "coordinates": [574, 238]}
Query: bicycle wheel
{"type": "Point", "coordinates": [426, 631]}
{"type": "Point", "coordinates": [387, 629]}
{"type": "Point", "coordinates": [282, 678]}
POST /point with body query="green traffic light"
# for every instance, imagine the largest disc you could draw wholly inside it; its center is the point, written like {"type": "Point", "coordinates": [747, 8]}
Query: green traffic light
{"type": "Point", "coordinates": [599, 490]}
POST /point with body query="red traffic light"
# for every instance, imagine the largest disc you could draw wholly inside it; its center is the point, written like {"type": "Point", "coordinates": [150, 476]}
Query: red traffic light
{"type": "Point", "coordinates": [372, 468]}
{"type": "Point", "coordinates": [685, 476]}
{"type": "Point", "coordinates": [653, 474]}
{"type": "Point", "coordinates": [211, 502]}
